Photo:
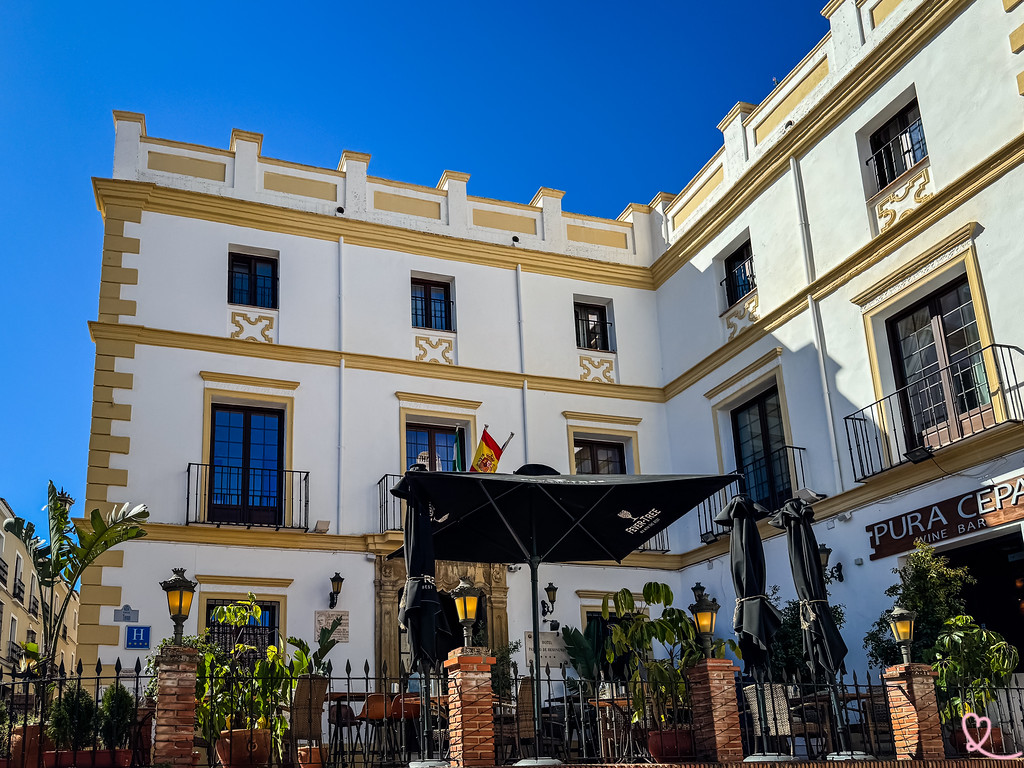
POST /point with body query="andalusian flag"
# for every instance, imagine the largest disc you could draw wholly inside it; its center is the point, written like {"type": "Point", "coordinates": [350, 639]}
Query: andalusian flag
{"type": "Point", "coordinates": [488, 453]}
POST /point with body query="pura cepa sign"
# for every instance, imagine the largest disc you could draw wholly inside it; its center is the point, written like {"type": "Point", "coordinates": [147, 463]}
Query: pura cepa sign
{"type": "Point", "coordinates": [987, 507]}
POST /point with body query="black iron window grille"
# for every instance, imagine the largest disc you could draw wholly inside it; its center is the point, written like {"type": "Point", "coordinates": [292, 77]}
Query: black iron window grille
{"type": "Point", "coordinates": [897, 146]}
{"type": "Point", "coordinates": [432, 305]}
{"type": "Point", "coordinates": [739, 275]}
{"type": "Point", "coordinates": [252, 280]}
{"type": "Point", "coordinates": [593, 330]}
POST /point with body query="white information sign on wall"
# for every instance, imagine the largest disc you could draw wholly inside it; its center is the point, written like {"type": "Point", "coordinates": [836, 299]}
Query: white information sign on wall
{"type": "Point", "coordinates": [552, 650]}
{"type": "Point", "coordinates": [323, 619]}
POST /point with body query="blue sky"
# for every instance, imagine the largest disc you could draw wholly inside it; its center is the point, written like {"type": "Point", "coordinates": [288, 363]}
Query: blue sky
{"type": "Point", "coordinates": [611, 102]}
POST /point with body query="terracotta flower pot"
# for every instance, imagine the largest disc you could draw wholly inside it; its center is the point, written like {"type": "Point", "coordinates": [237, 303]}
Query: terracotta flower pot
{"type": "Point", "coordinates": [310, 757]}
{"type": "Point", "coordinates": [993, 745]}
{"type": "Point", "coordinates": [670, 746]}
{"type": "Point", "coordinates": [244, 747]}
{"type": "Point", "coordinates": [25, 746]}
{"type": "Point", "coordinates": [87, 758]}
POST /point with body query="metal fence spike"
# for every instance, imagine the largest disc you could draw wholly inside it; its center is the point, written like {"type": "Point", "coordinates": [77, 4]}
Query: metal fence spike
{"type": "Point", "coordinates": [99, 668]}
{"type": "Point", "coordinates": [348, 667]}
{"type": "Point", "coordinates": [79, 669]}
{"type": "Point", "coordinates": [117, 666]}
{"type": "Point", "coordinates": [138, 666]}
{"type": "Point", "coordinates": [329, 667]}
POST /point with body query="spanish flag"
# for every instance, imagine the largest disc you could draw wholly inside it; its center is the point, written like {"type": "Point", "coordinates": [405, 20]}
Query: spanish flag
{"type": "Point", "coordinates": [488, 453]}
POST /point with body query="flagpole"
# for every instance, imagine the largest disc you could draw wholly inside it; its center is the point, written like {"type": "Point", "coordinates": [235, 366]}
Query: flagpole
{"type": "Point", "coordinates": [510, 436]}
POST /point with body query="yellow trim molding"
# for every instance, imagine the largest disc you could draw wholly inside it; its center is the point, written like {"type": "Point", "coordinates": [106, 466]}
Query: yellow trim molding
{"type": "Point", "coordinates": [881, 11]}
{"type": "Point", "coordinates": [243, 581]}
{"type": "Point", "coordinates": [1008, 5]}
{"type": "Point", "coordinates": [247, 381]}
{"type": "Point", "coordinates": [592, 236]}
{"type": "Point", "coordinates": [699, 196]}
{"type": "Point", "coordinates": [186, 146]}
{"type": "Point", "coordinates": [448, 402]}
{"type": "Point", "coordinates": [755, 366]}
{"type": "Point", "coordinates": [609, 436]}
{"type": "Point", "coordinates": [739, 108]}
{"type": "Point", "coordinates": [186, 166]}
{"type": "Point", "coordinates": [602, 418]}
{"type": "Point", "coordinates": [816, 76]}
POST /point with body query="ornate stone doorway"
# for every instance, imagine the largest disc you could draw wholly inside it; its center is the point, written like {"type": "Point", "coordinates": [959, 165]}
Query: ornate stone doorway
{"type": "Point", "coordinates": [390, 579]}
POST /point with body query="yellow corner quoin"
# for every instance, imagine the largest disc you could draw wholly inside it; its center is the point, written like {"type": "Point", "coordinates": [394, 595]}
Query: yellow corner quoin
{"type": "Point", "coordinates": [249, 381]}
{"type": "Point", "coordinates": [186, 166]}
{"type": "Point", "coordinates": [295, 185]}
{"type": "Point", "coordinates": [1009, 5]}
{"type": "Point", "coordinates": [1017, 39]}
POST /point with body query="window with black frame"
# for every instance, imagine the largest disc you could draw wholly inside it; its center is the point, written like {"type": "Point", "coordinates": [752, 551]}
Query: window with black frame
{"type": "Point", "coordinates": [940, 368]}
{"type": "Point", "coordinates": [252, 280]}
{"type": "Point", "coordinates": [739, 274]}
{"type": "Point", "coordinates": [760, 443]}
{"type": "Point", "coordinates": [439, 448]}
{"type": "Point", "coordinates": [246, 463]}
{"type": "Point", "coordinates": [594, 457]}
{"type": "Point", "coordinates": [259, 633]}
{"type": "Point", "coordinates": [431, 305]}
{"type": "Point", "coordinates": [593, 331]}
{"type": "Point", "coordinates": [897, 146]}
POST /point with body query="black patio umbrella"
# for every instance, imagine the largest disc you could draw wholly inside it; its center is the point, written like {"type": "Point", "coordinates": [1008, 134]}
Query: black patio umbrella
{"type": "Point", "coordinates": [755, 620]}
{"type": "Point", "coordinates": [824, 649]}
{"type": "Point", "coordinates": [538, 516]}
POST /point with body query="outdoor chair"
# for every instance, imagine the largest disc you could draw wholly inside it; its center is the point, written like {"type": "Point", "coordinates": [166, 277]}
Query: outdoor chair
{"type": "Point", "coordinates": [375, 715]}
{"type": "Point", "coordinates": [787, 719]}
{"type": "Point", "coordinates": [403, 714]}
{"type": "Point", "coordinates": [552, 731]}
{"type": "Point", "coordinates": [505, 732]}
{"type": "Point", "coordinates": [346, 728]}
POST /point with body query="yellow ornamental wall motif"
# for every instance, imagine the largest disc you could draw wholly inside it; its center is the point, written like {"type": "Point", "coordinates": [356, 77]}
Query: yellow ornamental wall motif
{"type": "Point", "coordinates": [248, 328]}
{"type": "Point", "coordinates": [900, 203]}
{"type": "Point", "coordinates": [435, 350]}
{"type": "Point", "coordinates": [597, 369]}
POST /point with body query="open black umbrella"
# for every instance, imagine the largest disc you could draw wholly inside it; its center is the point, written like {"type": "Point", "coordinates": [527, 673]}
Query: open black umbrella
{"type": "Point", "coordinates": [755, 620]}
{"type": "Point", "coordinates": [824, 649]}
{"type": "Point", "coordinates": [546, 517]}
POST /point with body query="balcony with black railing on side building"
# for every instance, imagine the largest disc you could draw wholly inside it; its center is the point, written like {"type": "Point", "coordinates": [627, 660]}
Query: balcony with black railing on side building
{"type": "Point", "coordinates": [19, 590]}
{"type": "Point", "coordinates": [13, 651]}
{"type": "Point", "coordinates": [4, 571]}
{"type": "Point", "coordinates": [972, 394]}
{"type": "Point", "coordinates": [770, 481]}
{"type": "Point", "coordinates": [246, 496]}
{"type": "Point", "coordinates": [33, 606]}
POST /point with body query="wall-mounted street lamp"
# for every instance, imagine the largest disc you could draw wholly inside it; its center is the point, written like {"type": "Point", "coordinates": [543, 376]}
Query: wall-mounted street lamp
{"type": "Point", "coordinates": [336, 581]}
{"type": "Point", "coordinates": [467, 600]}
{"type": "Point", "coordinates": [549, 607]}
{"type": "Point", "coordinates": [180, 592]}
{"type": "Point", "coordinates": [824, 553]}
{"type": "Point", "coordinates": [704, 613]}
{"type": "Point", "coordinates": [901, 622]}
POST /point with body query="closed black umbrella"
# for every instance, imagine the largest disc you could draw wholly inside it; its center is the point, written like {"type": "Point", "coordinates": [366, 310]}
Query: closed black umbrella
{"type": "Point", "coordinates": [540, 516]}
{"type": "Point", "coordinates": [824, 649]}
{"type": "Point", "coordinates": [756, 620]}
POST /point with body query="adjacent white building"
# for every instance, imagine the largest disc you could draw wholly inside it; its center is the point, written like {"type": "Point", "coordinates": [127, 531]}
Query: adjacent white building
{"type": "Point", "coordinates": [830, 300]}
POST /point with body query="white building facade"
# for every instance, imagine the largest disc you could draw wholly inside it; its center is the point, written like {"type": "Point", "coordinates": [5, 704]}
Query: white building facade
{"type": "Point", "coordinates": [833, 293]}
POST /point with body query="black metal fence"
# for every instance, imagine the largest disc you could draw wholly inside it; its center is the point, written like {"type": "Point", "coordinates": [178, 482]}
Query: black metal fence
{"type": "Point", "coordinates": [72, 719]}
{"type": "Point", "coordinates": [809, 718]}
{"type": "Point", "coordinates": [276, 498]}
{"type": "Point", "coordinates": [391, 507]}
{"type": "Point", "coordinates": [708, 510]}
{"type": "Point", "coordinates": [593, 720]}
{"type": "Point", "coordinates": [1003, 707]}
{"type": "Point", "coordinates": [968, 396]}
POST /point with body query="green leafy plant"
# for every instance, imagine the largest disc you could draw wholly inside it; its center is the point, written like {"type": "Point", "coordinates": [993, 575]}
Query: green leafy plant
{"type": "Point", "coordinates": [73, 719]}
{"type": "Point", "coordinates": [502, 679]}
{"type": "Point", "coordinates": [633, 636]}
{"type": "Point", "coordinates": [234, 696]}
{"type": "Point", "coordinates": [973, 663]}
{"type": "Point", "coordinates": [932, 588]}
{"type": "Point", "coordinates": [586, 654]}
{"type": "Point", "coordinates": [314, 663]}
{"type": "Point", "coordinates": [117, 713]}
{"type": "Point", "coordinates": [787, 648]}
{"type": "Point", "coordinates": [72, 547]}
{"type": "Point", "coordinates": [201, 643]}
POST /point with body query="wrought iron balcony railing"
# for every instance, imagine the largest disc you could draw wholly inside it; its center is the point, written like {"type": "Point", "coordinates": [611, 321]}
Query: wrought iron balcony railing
{"type": "Point", "coordinates": [658, 543]}
{"type": "Point", "coordinates": [13, 651]}
{"type": "Point", "coordinates": [770, 481]}
{"type": "Point", "coordinates": [247, 496]}
{"type": "Point", "coordinates": [594, 334]}
{"type": "Point", "coordinates": [33, 606]}
{"type": "Point", "coordinates": [739, 281]}
{"type": "Point", "coordinates": [968, 396]}
{"type": "Point", "coordinates": [3, 572]}
{"type": "Point", "coordinates": [392, 515]}
{"type": "Point", "coordinates": [904, 151]}
{"type": "Point", "coordinates": [19, 590]}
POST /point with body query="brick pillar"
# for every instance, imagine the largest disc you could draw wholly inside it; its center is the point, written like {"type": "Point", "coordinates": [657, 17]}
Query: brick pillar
{"type": "Point", "coordinates": [914, 709]}
{"type": "Point", "coordinates": [470, 708]}
{"type": "Point", "coordinates": [175, 706]}
{"type": "Point", "coordinates": [716, 714]}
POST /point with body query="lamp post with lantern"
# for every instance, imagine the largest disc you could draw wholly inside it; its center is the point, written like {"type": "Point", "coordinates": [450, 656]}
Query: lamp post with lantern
{"type": "Point", "coordinates": [467, 599]}
{"type": "Point", "coordinates": [901, 622]}
{"type": "Point", "coordinates": [704, 612]}
{"type": "Point", "coordinates": [180, 591]}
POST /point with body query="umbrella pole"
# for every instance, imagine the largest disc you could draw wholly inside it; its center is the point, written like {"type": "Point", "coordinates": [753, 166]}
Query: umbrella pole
{"type": "Point", "coordinates": [838, 711]}
{"type": "Point", "coordinates": [534, 566]}
{"type": "Point", "coordinates": [428, 726]}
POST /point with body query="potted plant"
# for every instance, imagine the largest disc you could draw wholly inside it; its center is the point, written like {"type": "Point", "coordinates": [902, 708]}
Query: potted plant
{"type": "Point", "coordinates": [25, 738]}
{"type": "Point", "coordinates": [973, 663]}
{"type": "Point", "coordinates": [241, 706]}
{"type": "Point", "coordinates": [72, 727]}
{"type": "Point", "coordinates": [667, 718]}
{"type": "Point", "coordinates": [312, 678]}
{"type": "Point", "coordinates": [117, 715]}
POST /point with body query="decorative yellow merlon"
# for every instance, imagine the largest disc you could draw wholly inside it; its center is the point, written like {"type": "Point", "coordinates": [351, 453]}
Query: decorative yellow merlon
{"type": "Point", "coordinates": [740, 109]}
{"type": "Point", "coordinates": [632, 209]}
{"type": "Point", "coordinates": [832, 7]}
{"type": "Point", "coordinates": [543, 192]}
{"type": "Point", "coordinates": [662, 198]}
{"type": "Point", "coordinates": [348, 156]}
{"type": "Point", "coordinates": [451, 176]}
{"type": "Point", "coordinates": [130, 117]}
{"type": "Point", "coordinates": [237, 134]}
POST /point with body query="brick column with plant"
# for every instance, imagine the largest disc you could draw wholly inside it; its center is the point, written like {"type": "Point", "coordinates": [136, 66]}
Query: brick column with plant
{"type": "Point", "coordinates": [914, 709]}
{"type": "Point", "coordinates": [175, 706]}
{"type": "Point", "coordinates": [716, 715]}
{"type": "Point", "coordinates": [470, 707]}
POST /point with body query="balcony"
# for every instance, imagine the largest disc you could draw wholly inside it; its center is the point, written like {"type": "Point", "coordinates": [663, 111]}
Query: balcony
{"type": "Point", "coordinates": [33, 607]}
{"type": "Point", "coordinates": [739, 281]}
{"type": "Point", "coordinates": [13, 651]}
{"type": "Point", "coordinates": [900, 154]}
{"type": "Point", "coordinates": [19, 590]}
{"type": "Point", "coordinates": [3, 571]}
{"type": "Point", "coordinates": [965, 398]}
{"type": "Point", "coordinates": [248, 497]}
{"type": "Point", "coordinates": [770, 481]}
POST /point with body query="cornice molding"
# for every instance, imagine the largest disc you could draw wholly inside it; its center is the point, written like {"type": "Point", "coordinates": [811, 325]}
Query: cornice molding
{"type": "Point", "coordinates": [247, 381]}
{"type": "Point", "coordinates": [737, 377]}
{"type": "Point", "coordinates": [448, 402]}
{"type": "Point", "coordinates": [601, 418]}
{"type": "Point", "coordinates": [244, 581]}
